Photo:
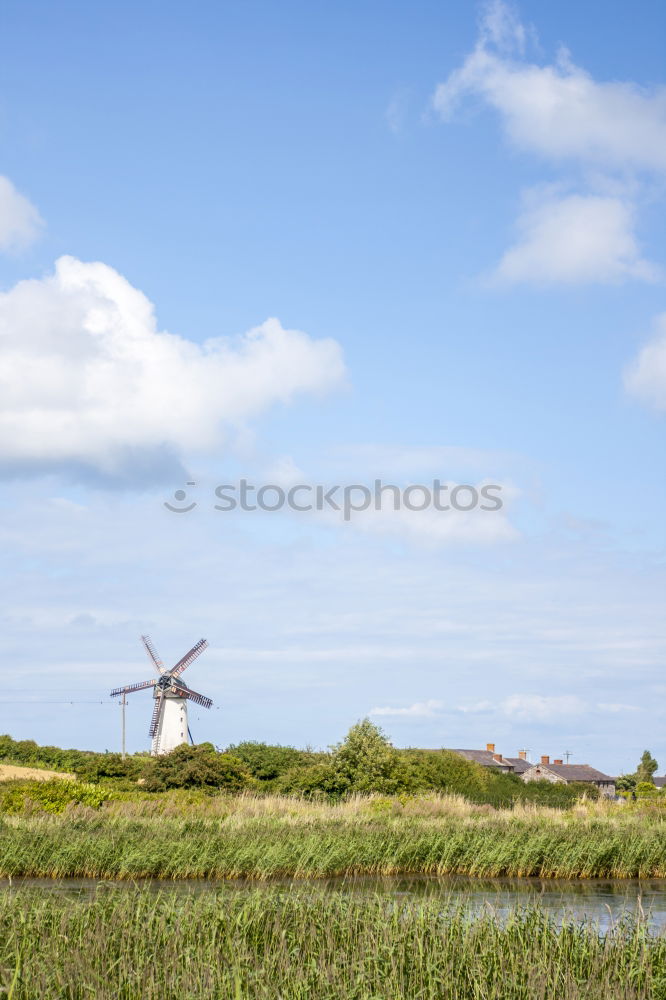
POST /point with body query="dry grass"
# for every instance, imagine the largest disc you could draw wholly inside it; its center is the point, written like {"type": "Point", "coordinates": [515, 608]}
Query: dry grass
{"type": "Point", "coordinates": [10, 772]}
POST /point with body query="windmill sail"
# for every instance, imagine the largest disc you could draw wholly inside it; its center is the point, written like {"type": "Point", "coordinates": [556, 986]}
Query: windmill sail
{"type": "Point", "coordinates": [154, 722]}
{"type": "Point", "coordinates": [200, 699]}
{"type": "Point", "coordinates": [152, 653]}
{"type": "Point", "coordinates": [188, 658]}
{"type": "Point", "coordinates": [133, 687]}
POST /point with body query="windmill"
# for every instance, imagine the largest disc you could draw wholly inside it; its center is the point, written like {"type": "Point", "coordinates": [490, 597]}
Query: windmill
{"type": "Point", "coordinates": [168, 726]}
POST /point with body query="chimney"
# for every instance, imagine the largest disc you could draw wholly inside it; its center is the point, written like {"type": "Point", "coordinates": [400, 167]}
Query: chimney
{"type": "Point", "coordinates": [545, 759]}
{"type": "Point", "coordinates": [557, 762]}
{"type": "Point", "coordinates": [522, 754]}
{"type": "Point", "coordinates": [497, 757]}
{"type": "Point", "coordinates": [490, 747]}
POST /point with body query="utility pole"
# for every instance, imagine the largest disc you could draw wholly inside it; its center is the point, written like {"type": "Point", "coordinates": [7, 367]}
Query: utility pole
{"type": "Point", "coordinates": [567, 754]}
{"type": "Point", "coordinates": [122, 704]}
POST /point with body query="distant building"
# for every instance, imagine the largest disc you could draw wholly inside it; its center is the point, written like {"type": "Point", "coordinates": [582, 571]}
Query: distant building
{"type": "Point", "coordinates": [520, 763]}
{"type": "Point", "coordinates": [487, 758]}
{"type": "Point", "coordinates": [659, 782]}
{"type": "Point", "coordinates": [559, 773]}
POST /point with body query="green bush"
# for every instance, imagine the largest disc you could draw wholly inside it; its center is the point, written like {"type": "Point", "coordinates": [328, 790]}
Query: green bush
{"type": "Point", "coordinates": [266, 761]}
{"type": "Point", "coordinates": [110, 768]}
{"type": "Point", "coordinates": [317, 781]}
{"type": "Point", "coordinates": [196, 767]}
{"type": "Point", "coordinates": [646, 790]}
{"type": "Point", "coordinates": [49, 796]}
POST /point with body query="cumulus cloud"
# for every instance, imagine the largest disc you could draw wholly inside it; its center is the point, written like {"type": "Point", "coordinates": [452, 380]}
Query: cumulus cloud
{"type": "Point", "coordinates": [20, 222]}
{"type": "Point", "coordinates": [574, 239]}
{"type": "Point", "coordinates": [530, 706]}
{"type": "Point", "coordinates": [432, 527]}
{"type": "Point", "coordinates": [420, 709]}
{"type": "Point", "coordinates": [558, 111]}
{"type": "Point", "coordinates": [646, 377]}
{"type": "Point", "coordinates": [541, 707]}
{"type": "Point", "coordinates": [87, 379]}
{"type": "Point", "coordinates": [616, 707]}
{"type": "Point", "coordinates": [561, 114]}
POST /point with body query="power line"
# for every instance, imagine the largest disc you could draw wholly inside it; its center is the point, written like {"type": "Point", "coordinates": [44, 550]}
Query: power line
{"type": "Point", "coordinates": [33, 701]}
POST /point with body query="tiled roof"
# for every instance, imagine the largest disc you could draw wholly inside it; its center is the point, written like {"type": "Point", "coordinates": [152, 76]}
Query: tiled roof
{"type": "Point", "coordinates": [576, 772]}
{"type": "Point", "coordinates": [484, 757]}
{"type": "Point", "coordinates": [519, 765]}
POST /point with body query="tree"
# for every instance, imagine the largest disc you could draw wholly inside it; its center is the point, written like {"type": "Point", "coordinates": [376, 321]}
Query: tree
{"type": "Point", "coordinates": [626, 783]}
{"type": "Point", "coordinates": [366, 761]}
{"type": "Point", "coordinates": [646, 768]}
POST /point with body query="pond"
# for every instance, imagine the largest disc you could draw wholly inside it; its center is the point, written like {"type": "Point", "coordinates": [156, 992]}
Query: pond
{"type": "Point", "coordinates": [598, 901]}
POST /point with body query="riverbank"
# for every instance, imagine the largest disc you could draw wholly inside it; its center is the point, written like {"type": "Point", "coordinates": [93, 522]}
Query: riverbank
{"type": "Point", "coordinates": [269, 944]}
{"type": "Point", "coordinates": [223, 837]}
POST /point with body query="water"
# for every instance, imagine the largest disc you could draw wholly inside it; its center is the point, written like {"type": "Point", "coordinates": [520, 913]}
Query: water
{"type": "Point", "coordinates": [602, 902]}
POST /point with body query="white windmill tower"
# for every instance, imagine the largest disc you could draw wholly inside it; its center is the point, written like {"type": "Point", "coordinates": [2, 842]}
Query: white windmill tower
{"type": "Point", "coordinates": [168, 726]}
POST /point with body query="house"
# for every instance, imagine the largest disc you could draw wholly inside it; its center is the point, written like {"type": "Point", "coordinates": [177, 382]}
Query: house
{"type": "Point", "coordinates": [520, 763]}
{"type": "Point", "coordinates": [559, 773]}
{"type": "Point", "coordinates": [487, 758]}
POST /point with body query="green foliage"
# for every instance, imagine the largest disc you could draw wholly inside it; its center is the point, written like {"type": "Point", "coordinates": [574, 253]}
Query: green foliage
{"type": "Point", "coordinates": [27, 753]}
{"type": "Point", "coordinates": [448, 772]}
{"type": "Point", "coordinates": [51, 796]}
{"type": "Point", "coordinates": [196, 767]}
{"type": "Point", "coordinates": [646, 790]}
{"type": "Point", "coordinates": [313, 782]}
{"type": "Point", "coordinates": [646, 768]}
{"type": "Point", "coordinates": [267, 762]}
{"type": "Point", "coordinates": [626, 783]}
{"type": "Point", "coordinates": [365, 761]}
{"type": "Point", "coordinates": [110, 768]}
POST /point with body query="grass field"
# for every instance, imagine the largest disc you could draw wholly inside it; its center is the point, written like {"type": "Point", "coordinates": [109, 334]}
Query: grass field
{"type": "Point", "coordinates": [270, 944]}
{"type": "Point", "coordinates": [180, 836]}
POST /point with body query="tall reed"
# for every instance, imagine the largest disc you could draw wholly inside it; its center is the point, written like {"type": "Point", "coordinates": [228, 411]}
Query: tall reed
{"type": "Point", "coordinates": [271, 944]}
{"type": "Point", "coordinates": [263, 839]}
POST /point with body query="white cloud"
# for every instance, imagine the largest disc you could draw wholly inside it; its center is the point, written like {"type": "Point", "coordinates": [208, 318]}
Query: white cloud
{"type": "Point", "coordinates": [529, 706]}
{"type": "Point", "coordinates": [574, 239]}
{"type": "Point", "coordinates": [558, 111]}
{"type": "Point", "coordinates": [539, 706]}
{"type": "Point", "coordinates": [396, 112]}
{"type": "Point", "coordinates": [420, 709]}
{"type": "Point", "coordinates": [646, 377]}
{"type": "Point", "coordinates": [478, 707]}
{"type": "Point", "coordinates": [88, 380]}
{"type": "Point", "coordinates": [20, 222]}
{"type": "Point", "coordinates": [434, 527]}
{"type": "Point", "coordinates": [616, 707]}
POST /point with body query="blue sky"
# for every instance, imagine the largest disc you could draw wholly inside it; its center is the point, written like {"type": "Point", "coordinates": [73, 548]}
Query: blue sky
{"type": "Point", "coordinates": [454, 214]}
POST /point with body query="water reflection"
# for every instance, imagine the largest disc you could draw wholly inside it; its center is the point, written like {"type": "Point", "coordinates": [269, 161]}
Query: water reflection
{"type": "Point", "coordinates": [598, 901]}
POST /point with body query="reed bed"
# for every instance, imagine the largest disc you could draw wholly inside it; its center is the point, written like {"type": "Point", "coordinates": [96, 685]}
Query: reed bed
{"type": "Point", "coordinates": [261, 838]}
{"type": "Point", "coordinates": [271, 944]}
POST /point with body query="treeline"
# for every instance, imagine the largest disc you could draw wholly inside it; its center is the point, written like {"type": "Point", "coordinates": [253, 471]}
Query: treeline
{"type": "Point", "coordinates": [364, 763]}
